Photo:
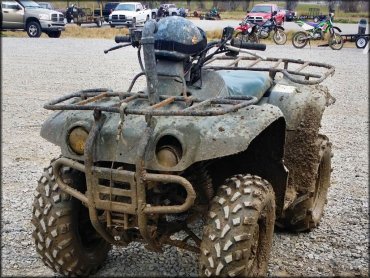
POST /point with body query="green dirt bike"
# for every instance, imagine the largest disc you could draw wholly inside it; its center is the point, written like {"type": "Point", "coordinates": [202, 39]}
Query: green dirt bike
{"type": "Point", "coordinates": [317, 31]}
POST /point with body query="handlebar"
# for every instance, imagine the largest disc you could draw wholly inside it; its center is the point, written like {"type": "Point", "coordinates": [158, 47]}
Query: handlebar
{"type": "Point", "coordinates": [121, 39]}
{"type": "Point", "coordinates": [245, 45]}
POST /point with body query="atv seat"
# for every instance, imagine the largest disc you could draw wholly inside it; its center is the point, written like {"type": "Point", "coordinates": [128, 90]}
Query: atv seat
{"type": "Point", "coordinates": [246, 82]}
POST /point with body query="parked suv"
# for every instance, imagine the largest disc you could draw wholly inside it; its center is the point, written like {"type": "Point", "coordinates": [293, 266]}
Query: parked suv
{"type": "Point", "coordinates": [29, 16]}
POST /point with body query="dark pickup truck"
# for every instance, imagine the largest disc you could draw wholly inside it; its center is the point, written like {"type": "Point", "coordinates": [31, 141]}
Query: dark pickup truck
{"type": "Point", "coordinates": [107, 10]}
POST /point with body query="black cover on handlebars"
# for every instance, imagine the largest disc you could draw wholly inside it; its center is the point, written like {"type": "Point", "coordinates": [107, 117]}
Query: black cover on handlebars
{"type": "Point", "coordinates": [120, 39]}
{"type": "Point", "coordinates": [247, 45]}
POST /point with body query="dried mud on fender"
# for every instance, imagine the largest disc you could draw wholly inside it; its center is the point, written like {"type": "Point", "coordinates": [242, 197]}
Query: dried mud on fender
{"type": "Point", "coordinates": [301, 152]}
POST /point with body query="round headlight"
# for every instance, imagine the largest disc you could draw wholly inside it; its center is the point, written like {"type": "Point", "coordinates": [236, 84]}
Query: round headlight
{"type": "Point", "coordinates": [168, 151]}
{"type": "Point", "coordinates": [77, 138]}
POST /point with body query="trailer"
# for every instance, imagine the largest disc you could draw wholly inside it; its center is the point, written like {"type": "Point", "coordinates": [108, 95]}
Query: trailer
{"type": "Point", "coordinates": [84, 15]}
{"type": "Point", "coordinates": [360, 40]}
{"type": "Point", "coordinates": [313, 13]}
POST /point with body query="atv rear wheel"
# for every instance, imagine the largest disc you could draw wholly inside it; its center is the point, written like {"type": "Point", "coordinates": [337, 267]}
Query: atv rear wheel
{"type": "Point", "coordinates": [64, 236]}
{"type": "Point", "coordinates": [237, 238]}
{"type": "Point", "coordinates": [305, 214]}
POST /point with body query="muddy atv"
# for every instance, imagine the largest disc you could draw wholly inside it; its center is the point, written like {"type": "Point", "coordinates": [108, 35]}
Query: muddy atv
{"type": "Point", "coordinates": [217, 135]}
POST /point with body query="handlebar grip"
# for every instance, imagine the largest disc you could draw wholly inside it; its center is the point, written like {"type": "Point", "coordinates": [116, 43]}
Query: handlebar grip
{"type": "Point", "coordinates": [247, 45]}
{"type": "Point", "coordinates": [120, 39]}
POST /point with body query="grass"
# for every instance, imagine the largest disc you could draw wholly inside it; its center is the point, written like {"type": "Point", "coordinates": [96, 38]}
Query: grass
{"type": "Point", "coordinates": [74, 31]}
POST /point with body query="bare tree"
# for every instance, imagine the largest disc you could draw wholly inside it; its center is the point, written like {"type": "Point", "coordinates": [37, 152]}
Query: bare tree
{"type": "Point", "coordinates": [201, 5]}
{"type": "Point", "coordinates": [331, 5]}
{"type": "Point", "coordinates": [188, 4]}
{"type": "Point", "coordinates": [245, 5]}
{"type": "Point", "coordinates": [350, 6]}
{"type": "Point", "coordinates": [215, 3]}
{"type": "Point", "coordinates": [291, 4]}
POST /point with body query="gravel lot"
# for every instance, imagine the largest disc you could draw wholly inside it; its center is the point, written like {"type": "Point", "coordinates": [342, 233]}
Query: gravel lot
{"type": "Point", "coordinates": [37, 70]}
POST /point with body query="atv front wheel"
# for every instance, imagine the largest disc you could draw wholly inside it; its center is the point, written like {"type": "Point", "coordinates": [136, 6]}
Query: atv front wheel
{"type": "Point", "coordinates": [64, 236]}
{"type": "Point", "coordinates": [306, 212]}
{"type": "Point", "coordinates": [237, 238]}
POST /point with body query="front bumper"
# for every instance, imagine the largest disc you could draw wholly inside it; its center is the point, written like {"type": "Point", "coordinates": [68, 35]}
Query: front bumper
{"type": "Point", "coordinates": [125, 22]}
{"type": "Point", "coordinates": [52, 26]}
{"type": "Point", "coordinates": [96, 193]}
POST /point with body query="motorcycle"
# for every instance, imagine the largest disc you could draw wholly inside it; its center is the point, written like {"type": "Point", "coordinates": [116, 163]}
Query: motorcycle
{"type": "Point", "coordinates": [279, 37]}
{"type": "Point", "coordinates": [247, 32]}
{"type": "Point", "coordinates": [317, 31]}
{"type": "Point", "coordinates": [213, 14]}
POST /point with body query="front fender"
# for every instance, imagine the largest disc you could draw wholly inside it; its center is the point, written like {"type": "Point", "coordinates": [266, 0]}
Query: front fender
{"type": "Point", "coordinates": [337, 28]}
{"type": "Point", "coordinates": [279, 27]}
{"type": "Point", "coordinates": [201, 138]}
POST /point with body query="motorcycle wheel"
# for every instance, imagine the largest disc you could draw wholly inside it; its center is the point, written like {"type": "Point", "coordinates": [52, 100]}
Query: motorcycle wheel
{"type": "Point", "coordinates": [279, 37]}
{"type": "Point", "coordinates": [299, 40]}
{"type": "Point", "coordinates": [336, 41]}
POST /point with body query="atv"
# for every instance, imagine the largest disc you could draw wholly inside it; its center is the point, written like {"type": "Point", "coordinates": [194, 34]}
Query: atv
{"type": "Point", "coordinates": [220, 134]}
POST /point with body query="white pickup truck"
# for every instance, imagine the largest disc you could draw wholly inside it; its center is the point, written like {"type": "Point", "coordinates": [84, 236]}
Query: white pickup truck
{"type": "Point", "coordinates": [129, 14]}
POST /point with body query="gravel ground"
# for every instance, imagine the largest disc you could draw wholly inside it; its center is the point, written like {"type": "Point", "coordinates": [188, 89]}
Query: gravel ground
{"type": "Point", "coordinates": [37, 70]}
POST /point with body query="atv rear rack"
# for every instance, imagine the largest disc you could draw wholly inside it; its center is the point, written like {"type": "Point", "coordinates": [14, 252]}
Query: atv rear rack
{"type": "Point", "coordinates": [276, 65]}
{"type": "Point", "coordinates": [193, 106]}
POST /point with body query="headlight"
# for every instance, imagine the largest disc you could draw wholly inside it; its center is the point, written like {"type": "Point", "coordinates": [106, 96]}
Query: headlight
{"type": "Point", "coordinates": [44, 17]}
{"type": "Point", "coordinates": [76, 140]}
{"type": "Point", "coordinates": [168, 151]}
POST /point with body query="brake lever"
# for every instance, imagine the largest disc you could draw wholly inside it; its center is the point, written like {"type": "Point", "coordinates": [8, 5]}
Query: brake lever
{"type": "Point", "coordinates": [116, 47]}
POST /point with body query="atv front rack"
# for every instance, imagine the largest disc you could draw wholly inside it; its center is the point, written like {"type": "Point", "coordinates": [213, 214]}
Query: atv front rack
{"type": "Point", "coordinates": [290, 68]}
{"type": "Point", "coordinates": [192, 106]}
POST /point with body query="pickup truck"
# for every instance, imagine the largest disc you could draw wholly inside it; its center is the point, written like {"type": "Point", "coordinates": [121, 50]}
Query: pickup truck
{"type": "Point", "coordinates": [29, 16]}
{"type": "Point", "coordinates": [171, 9]}
{"type": "Point", "coordinates": [129, 14]}
{"type": "Point", "coordinates": [262, 12]}
{"type": "Point", "coordinates": [107, 10]}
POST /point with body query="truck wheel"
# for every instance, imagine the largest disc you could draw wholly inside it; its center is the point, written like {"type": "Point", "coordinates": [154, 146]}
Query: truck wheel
{"type": "Point", "coordinates": [173, 14]}
{"type": "Point", "coordinates": [112, 26]}
{"type": "Point", "coordinates": [237, 238]}
{"type": "Point", "coordinates": [64, 236]}
{"type": "Point", "coordinates": [54, 34]}
{"type": "Point", "coordinates": [306, 213]}
{"type": "Point", "coordinates": [133, 24]}
{"type": "Point", "coordinates": [361, 42]}
{"type": "Point", "coordinates": [33, 29]}
{"type": "Point", "coordinates": [69, 20]}
{"type": "Point", "coordinates": [299, 40]}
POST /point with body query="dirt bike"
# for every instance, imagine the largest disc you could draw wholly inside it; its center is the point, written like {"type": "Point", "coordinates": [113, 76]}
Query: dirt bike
{"type": "Point", "coordinates": [317, 31]}
{"type": "Point", "coordinates": [270, 25]}
{"type": "Point", "coordinates": [247, 32]}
